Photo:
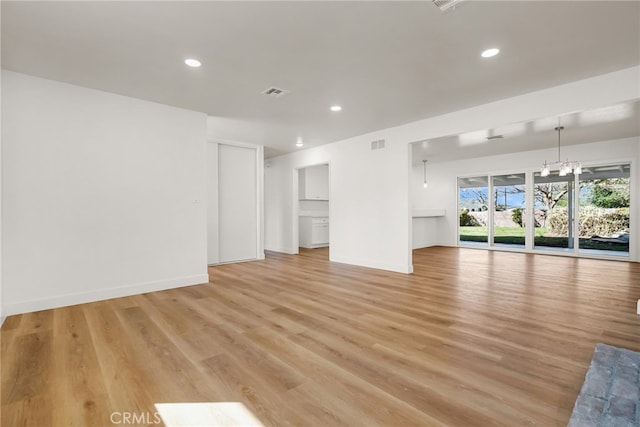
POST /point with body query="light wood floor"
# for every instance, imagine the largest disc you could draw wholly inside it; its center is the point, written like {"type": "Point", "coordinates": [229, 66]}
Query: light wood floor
{"type": "Point", "coordinates": [472, 338]}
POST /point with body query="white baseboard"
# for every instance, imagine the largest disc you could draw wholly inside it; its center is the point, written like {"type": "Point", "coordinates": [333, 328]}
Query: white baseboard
{"type": "Point", "coordinates": [283, 250]}
{"type": "Point", "coordinates": [397, 268]}
{"type": "Point", "coordinates": [424, 245]}
{"type": "Point", "coordinates": [101, 294]}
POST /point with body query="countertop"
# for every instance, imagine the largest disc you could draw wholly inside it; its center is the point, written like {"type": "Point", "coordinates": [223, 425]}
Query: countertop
{"type": "Point", "coordinates": [427, 213]}
{"type": "Point", "coordinates": [314, 214]}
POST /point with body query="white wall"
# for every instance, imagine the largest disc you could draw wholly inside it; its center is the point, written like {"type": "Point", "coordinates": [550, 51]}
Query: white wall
{"type": "Point", "coordinates": [2, 315]}
{"type": "Point", "coordinates": [370, 192]}
{"type": "Point", "coordinates": [442, 190]}
{"type": "Point", "coordinates": [425, 232]}
{"type": "Point", "coordinates": [103, 195]}
{"type": "Point", "coordinates": [424, 229]}
{"type": "Point", "coordinates": [369, 201]}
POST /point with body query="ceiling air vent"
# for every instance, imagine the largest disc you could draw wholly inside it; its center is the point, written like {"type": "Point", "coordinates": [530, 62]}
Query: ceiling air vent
{"type": "Point", "coordinates": [445, 4]}
{"type": "Point", "coordinates": [377, 145]}
{"type": "Point", "coordinates": [495, 137]}
{"type": "Point", "coordinates": [275, 92]}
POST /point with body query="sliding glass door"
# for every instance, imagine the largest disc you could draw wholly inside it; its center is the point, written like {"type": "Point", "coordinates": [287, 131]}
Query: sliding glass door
{"type": "Point", "coordinates": [492, 214]}
{"type": "Point", "coordinates": [553, 211]}
{"type": "Point", "coordinates": [473, 204]}
{"type": "Point", "coordinates": [586, 214]}
{"type": "Point", "coordinates": [604, 210]}
{"type": "Point", "coordinates": [509, 196]}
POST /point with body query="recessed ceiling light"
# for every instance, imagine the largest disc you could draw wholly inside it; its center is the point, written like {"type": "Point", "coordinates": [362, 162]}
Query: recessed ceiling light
{"type": "Point", "coordinates": [490, 52]}
{"type": "Point", "coordinates": [192, 62]}
{"type": "Point", "coordinates": [336, 108]}
{"type": "Point", "coordinates": [299, 142]}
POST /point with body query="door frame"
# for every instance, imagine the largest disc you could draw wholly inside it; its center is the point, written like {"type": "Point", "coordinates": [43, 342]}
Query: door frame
{"type": "Point", "coordinates": [214, 206]}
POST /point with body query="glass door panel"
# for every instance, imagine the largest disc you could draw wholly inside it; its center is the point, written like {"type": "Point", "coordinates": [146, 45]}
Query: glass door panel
{"type": "Point", "coordinates": [473, 203]}
{"type": "Point", "coordinates": [604, 210]}
{"type": "Point", "coordinates": [509, 210]}
{"type": "Point", "coordinates": [553, 211]}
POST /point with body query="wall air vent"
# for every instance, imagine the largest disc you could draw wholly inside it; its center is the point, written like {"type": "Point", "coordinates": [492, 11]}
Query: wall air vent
{"type": "Point", "coordinates": [445, 4]}
{"type": "Point", "coordinates": [377, 145]}
{"type": "Point", "coordinates": [275, 92]}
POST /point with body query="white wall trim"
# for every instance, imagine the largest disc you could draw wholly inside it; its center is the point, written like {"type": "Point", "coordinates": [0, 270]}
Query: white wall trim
{"type": "Point", "coordinates": [213, 255]}
{"type": "Point", "coordinates": [283, 250]}
{"type": "Point", "coordinates": [103, 294]}
{"type": "Point", "coordinates": [234, 143]}
{"type": "Point", "coordinates": [260, 199]}
{"type": "Point", "coordinates": [406, 269]}
{"type": "Point", "coordinates": [410, 205]}
{"type": "Point", "coordinates": [295, 219]}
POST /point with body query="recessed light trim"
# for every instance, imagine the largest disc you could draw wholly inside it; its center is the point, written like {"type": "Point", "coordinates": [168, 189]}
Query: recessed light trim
{"type": "Point", "coordinates": [192, 62]}
{"type": "Point", "coordinates": [490, 52]}
{"type": "Point", "coordinates": [335, 108]}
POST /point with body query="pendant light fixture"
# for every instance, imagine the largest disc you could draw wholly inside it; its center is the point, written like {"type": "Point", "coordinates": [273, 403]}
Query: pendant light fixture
{"type": "Point", "coordinates": [424, 165]}
{"type": "Point", "coordinates": [565, 167]}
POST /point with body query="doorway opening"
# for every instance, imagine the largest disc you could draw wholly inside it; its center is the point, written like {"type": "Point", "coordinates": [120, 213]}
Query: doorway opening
{"type": "Point", "coordinates": [311, 223]}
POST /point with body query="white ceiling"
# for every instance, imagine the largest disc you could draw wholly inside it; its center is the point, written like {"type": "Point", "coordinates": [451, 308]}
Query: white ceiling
{"type": "Point", "coordinates": [386, 62]}
{"type": "Point", "coordinates": [600, 124]}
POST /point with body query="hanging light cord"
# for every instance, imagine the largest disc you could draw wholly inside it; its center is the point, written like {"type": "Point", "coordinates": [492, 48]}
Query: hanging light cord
{"type": "Point", "coordinates": [424, 166]}
{"type": "Point", "coordinates": [559, 128]}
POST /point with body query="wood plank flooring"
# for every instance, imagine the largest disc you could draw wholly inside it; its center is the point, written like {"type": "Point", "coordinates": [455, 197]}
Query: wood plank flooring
{"type": "Point", "coordinates": [472, 338]}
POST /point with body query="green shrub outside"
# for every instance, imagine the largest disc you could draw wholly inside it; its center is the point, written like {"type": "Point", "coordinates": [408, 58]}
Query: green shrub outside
{"type": "Point", "coordinates": [516, 216]}
{"type": "Point", "coordinates": [593, 221]}
{"type": "Point", "coordinates": [467, 220]}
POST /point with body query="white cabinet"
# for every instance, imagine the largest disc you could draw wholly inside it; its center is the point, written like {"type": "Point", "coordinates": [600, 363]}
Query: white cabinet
{"type": "Point", "coordinates": [314, 231]}
{"type": "Point", "coordinates": [314, 183]}
{"type": "Point", "coordinates": [319, 231]}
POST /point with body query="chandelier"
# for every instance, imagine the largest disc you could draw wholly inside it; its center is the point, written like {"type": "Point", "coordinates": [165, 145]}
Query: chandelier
{"type": "Point", "coordinates": [564, 167]}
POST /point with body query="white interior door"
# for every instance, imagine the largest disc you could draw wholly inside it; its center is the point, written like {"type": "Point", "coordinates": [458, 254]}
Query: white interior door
{"type": "Point", "coordinates": [237, 209]}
